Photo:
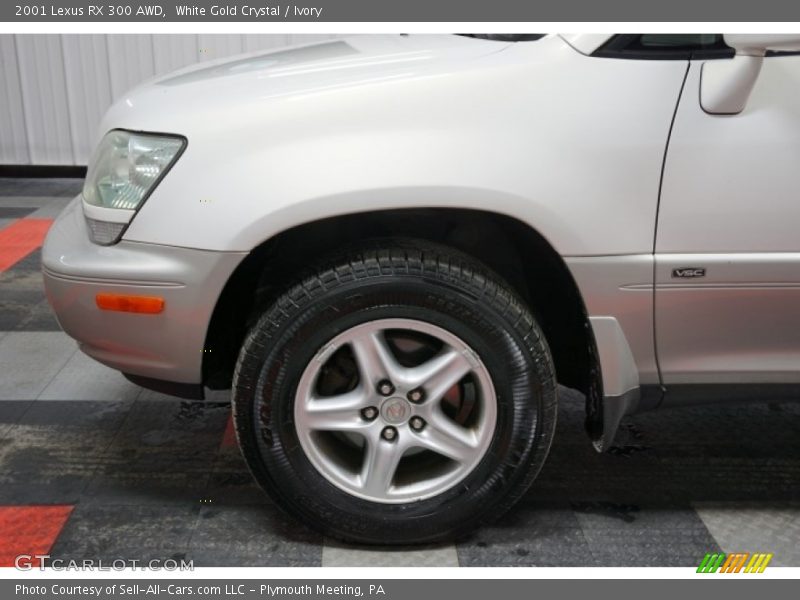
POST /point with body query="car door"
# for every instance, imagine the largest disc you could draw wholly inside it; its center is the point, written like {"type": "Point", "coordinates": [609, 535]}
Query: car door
{"type": "Point", "coordinates": [727, 265]}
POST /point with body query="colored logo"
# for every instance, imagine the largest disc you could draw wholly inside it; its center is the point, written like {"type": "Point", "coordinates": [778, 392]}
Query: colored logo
{"type": "Point", "coordinates": [738, 562]}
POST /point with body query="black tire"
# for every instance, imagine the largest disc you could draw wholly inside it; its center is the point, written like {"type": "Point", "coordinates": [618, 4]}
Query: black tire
{"type": "Point", "coordinates": [391, 279]}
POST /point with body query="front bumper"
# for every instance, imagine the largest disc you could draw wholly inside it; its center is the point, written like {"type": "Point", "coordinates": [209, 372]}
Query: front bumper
{"type": "Point", "coordinates": [168, 346]}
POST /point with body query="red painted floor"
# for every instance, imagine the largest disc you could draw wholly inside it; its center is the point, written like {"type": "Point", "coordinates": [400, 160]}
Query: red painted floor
{"type": "Point", "coordinates": [20, 239]}
{"type": "Point", "coordinates": [229, 436]}
{"type": "Point", "coordinates": [30, 530]}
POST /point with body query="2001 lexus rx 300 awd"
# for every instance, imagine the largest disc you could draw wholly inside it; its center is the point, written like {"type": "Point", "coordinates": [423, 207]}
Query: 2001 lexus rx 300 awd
{"type": "Point", "coordinates": [392, 248]}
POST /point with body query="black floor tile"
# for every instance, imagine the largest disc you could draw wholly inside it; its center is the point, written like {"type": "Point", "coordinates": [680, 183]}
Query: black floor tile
{"type": "Point", "coordinates": [94, 418]}
{"type": "Point", "coordinates": [15, 212]}
{"type": "Point", "coordinates": [39, 317]}
{"type": "Point", "coordinates": [678, 455]}
{"type": "Point", "coordinates": [736, 430]}
{"type": "Point", "coordinates": [722, 479]}
{"type": "Point", "coordinates": [230, 482]}
{"type": "Point", "coordinates": [229, 458]}
{"type": "Point", "coordinates": [55, 449]}
{"type": "Point", "coordinates": [227, 488]}
{"type": "Point", "coordinates": [23, 305]}
{"type": "Point", "coordinates": [163, 453]}
{"type": "Point", "coordinates": [12, 186]}
{"type": "Point", "coordinates": [172, 432]}
{"type": "Point", "coordinates": [131, 532]}
{"type": "Point", "coordinates": [179, 417]}
{"type": "Point", "coordinates": [14, 309]}
{"type": "Point", "coordinates": [11, 412]}
{"type": "Point", "coordinates": [25, 274]}
{"type": "Point", "coordinates": [48, 468]}
{"type": "Point", "coordinates": [146, 484]}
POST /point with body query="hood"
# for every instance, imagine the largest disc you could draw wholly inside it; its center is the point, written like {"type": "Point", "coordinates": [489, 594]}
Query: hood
{"type": "Point", "coordinates": [315, 68]}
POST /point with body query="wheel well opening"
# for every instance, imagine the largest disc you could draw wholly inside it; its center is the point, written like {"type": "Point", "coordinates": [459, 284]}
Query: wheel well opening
{"type": "Point", "coordinates": [511, 248]}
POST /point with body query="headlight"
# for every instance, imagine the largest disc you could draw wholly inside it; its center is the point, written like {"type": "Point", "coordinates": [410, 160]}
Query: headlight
{"type": "Point", "coordinates": [125, 169]}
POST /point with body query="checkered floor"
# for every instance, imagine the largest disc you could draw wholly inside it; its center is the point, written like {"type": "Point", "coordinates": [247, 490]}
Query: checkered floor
{"type": "Point", "coordinates": [93, 467]}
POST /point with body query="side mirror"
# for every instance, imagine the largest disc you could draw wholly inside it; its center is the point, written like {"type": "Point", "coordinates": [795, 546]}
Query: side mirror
{"type": "Point", "coordinates": [725, 85]}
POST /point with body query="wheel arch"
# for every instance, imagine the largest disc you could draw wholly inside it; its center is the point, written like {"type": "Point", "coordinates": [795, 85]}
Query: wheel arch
{"type": "Point", "coordinates": [515, 250]}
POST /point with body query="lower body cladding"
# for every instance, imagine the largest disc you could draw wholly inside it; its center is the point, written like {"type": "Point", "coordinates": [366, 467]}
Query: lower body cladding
{"type": "Point", "coordinates": [167, 346]}
{"type": "Point", "coordinates": [618, 295]}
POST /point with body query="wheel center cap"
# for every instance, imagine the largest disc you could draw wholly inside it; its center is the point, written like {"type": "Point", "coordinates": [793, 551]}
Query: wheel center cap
{"type": "Point", "coordinates": [395, 410]}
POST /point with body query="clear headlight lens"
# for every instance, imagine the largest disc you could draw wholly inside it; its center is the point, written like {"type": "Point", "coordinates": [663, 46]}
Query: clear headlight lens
{"type": "Point", "coordinates": [126, 166]}
{"type": "Point", "coordinates": [125, 169]}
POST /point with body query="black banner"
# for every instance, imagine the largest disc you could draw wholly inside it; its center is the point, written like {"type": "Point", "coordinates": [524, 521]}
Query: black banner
{"type": "Point", "coordinates": [401, 11]}
{"type": "Point", "coordinates": [730, 587]}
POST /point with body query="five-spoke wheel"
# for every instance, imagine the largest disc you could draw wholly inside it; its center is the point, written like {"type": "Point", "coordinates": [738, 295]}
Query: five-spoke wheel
{"type": "Point", "coordinates": [419, 406]}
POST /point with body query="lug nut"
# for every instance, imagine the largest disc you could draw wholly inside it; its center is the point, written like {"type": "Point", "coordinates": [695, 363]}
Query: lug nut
{"type": "Point", "coordinates": [417, 423]}
{"type": "Point", "coordinates": [416, 395]}
{"type": "Point", "coordinates": [385, 388]}
{"type": "Point", "coordinates": [369, 413]}
{"type": "Point", "coordinates": [389, 433]}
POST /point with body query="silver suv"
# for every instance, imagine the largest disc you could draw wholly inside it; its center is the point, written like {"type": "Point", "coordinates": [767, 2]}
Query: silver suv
{"type": "Point", "coordinates": [392, 248]}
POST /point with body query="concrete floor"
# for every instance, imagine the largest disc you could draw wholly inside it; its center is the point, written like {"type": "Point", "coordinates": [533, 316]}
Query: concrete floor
{"type": "Point", "coordinates": [144, 475]}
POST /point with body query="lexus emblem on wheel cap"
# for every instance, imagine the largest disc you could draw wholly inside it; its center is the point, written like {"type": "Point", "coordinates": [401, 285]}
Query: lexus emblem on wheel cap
{"type": "Point", "coordinates": [395, 410]}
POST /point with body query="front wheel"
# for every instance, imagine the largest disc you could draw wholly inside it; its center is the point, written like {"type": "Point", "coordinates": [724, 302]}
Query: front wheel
{"type": "Point", "coordinates": [400, 394]}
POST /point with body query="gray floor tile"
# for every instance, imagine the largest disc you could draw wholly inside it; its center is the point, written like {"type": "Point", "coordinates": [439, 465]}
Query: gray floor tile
{"type": "Point", "coordinates": [626, 535]}
{"type": "Point", "coordinates": [83, 378]}
{"type": "Point", "coordinates": [136, 532]}
{"type": "Point", "coordinates": [31, 202]}
{"type": "Point", "coordinates": [529, 536]}
{"type": "Point", "coordinates": [51, 209]}
{"type": "Point", "coordinates": [30, 360]}
{"type": "Point", "coordinates": [755, 527]}
{"type": "Point", "coordinates": [337, 554]}
{"type": "Point", "coordinates": [253, 536]}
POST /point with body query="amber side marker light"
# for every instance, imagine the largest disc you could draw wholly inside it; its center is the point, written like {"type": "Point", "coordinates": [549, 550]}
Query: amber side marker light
{"type": "Point", "coordinates": [151, 305]}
